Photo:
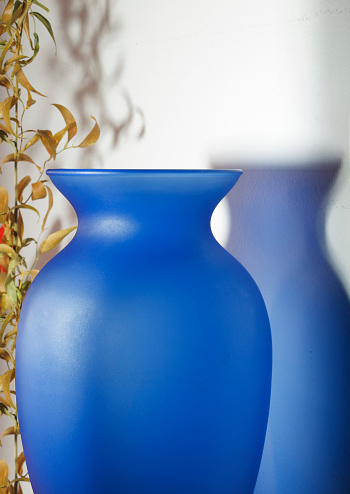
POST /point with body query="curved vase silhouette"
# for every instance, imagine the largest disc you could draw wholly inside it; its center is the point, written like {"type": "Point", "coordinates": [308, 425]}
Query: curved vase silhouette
{"type": "Point", "coordinates": [146, 341]}
{"type": "Point", "coordinates": [277, 233]}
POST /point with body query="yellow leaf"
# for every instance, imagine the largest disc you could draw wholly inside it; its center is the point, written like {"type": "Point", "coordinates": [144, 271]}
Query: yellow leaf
{"type": "Point", "coordinates": [30, 101]}
{"type": "Point", "coordinates": [6, 249]}
{"type": "Point", "coordinates": [5, 303]}
{"type": "Point", "coordinates": [10, 431]}
{"type": "Point", "coordinates": [4, 203]}
{"type": "Point", "coordinates": [4, 199]}
{"type": "Point", "coordinates": [5, 381]}
{"type": "Point", "coordinates": [4, 402]}
{"type": "Point", "coordinates": [92, 137]}
{"type": "Point", "coordinates": [54, 239]}
{"type": "Point", "coordinates": [7, 321]}
{"type": "Point", "coordinates": [15, 70]}
{"type": "Point", "coordinates": [20, 230]}
{"type": "Point", "coordinates": [13, 119]}
{"type": "Point", "coordinates": [20, 462]}
{"type": "Point", "coordinates": [23, 81]}
{"type": "Point", "coordinates": [33, 272]}
{"type": "Point", "coordinates": [11, 333]}
{"type": "Point", "coordinates": [5, 82]}
{"type": "Point", "coordinates": [14, 58]}
{"type": "Point", "coordinates": [4, 476]}
{"type": "Point", "coordinates": [31, 142]}
{"type": "Point", "coordinates": [20, 157]}
{"type": "Point", "coordinates": [5, 129]}
{"type": "Point", "coordinates": [27, 30]}
{"type": "Point", "coordinates": [3, 277]}
{"type": "Point", "coordinates": [17, 13]}
{"type": "Point", "coordinates": [35, 50]}
{"type": "Point", "coordinates": [60, 134]}
{"type": "Point", "coordinates": [5, 107]}
{"type": "Point", "coordinates": [26, 6]}
{"type": "Point", "coordinates": [4, 355]}
{"type": "Point", "coordinates": [69, 119]}
{"type": "Point", "coordinates": [48, 141]}
{"type": "Point", "coordinates": [38, 191]}
{"type": "Point", "coordinates": [21, 186]}
{"type": "Point", "coordinates": [25, 206]}
{"type": "Point", "coordinates": [49, 207]}
{"type": "Point", "coordinates": [7, 13]}
{"type": "Point", "coordinates": [4, 261]}
{"type": "Point", "coordinates": [7, 46]}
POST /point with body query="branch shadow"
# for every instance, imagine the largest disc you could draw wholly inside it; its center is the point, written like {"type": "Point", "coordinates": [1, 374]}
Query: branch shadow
{"type": "Point", "coordinates": [88, 30]}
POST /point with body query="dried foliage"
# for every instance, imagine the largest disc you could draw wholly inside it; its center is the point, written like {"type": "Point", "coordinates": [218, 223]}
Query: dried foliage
{"type": "Point", "coordinates": [19, 46]}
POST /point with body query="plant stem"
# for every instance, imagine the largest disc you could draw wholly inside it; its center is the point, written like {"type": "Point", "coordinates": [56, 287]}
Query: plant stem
{"type": "Point", "coordinates": [19, 41]}
{"type": "Point", "coordinates": [17, 246]}
{"type": "Point", "coordinates": [16, 457]}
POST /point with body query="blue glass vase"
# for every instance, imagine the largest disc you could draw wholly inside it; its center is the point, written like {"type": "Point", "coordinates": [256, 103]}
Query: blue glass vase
{"type": "Point", "coordinates": [143, 359]}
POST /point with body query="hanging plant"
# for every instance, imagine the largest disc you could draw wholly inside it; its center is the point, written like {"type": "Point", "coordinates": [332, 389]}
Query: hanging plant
{"type": "Point", "coordinates": [19, 45]}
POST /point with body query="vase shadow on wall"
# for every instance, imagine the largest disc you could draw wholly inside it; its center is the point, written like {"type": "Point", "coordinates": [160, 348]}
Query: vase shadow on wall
{"type": "Point", "coordinates": [277, 232]}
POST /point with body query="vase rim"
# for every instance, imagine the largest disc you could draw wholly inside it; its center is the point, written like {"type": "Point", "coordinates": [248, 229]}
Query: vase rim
{"type": "Point", "coordinates": [141, 171]}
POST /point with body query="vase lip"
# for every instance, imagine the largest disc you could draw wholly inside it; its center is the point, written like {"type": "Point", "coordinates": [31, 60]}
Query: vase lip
{"type": "Point", "coordinates": [141, 171]}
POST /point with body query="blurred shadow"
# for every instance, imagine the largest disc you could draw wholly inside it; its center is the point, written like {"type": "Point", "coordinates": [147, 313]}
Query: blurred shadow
{"type": "Point", "coordinates": [277, 232]}
{"type": "Point", "coordinates": [87, 31]}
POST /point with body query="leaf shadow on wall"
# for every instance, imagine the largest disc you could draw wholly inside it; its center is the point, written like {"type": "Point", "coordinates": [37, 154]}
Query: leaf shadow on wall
{"type": "Point", "coordinates": [89, 35]}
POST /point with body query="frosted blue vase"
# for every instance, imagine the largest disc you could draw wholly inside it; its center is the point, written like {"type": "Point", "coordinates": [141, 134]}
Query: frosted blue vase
{"type": "Point", "coordinates": [143, 359]}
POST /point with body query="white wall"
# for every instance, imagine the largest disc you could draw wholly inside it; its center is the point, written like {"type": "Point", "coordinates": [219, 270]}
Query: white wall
{"type": "Point", "coordinates": [215, 79]}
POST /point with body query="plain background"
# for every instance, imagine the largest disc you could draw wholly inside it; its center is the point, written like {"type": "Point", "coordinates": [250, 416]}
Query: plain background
{"type": "Point", "coordinates": [209, 81]}
{"type": "Point", "coordinates": [223, 80]}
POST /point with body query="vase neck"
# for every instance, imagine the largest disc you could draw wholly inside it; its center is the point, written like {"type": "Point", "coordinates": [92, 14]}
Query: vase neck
{"type": "Point", "coordinates": [123, 206]}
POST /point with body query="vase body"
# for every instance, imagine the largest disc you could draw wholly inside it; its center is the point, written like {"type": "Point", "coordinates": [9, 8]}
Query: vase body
{"type": "Point", "coordinates": [144, 354]}
{"type": "Point", "coordinates": [307, 448]}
